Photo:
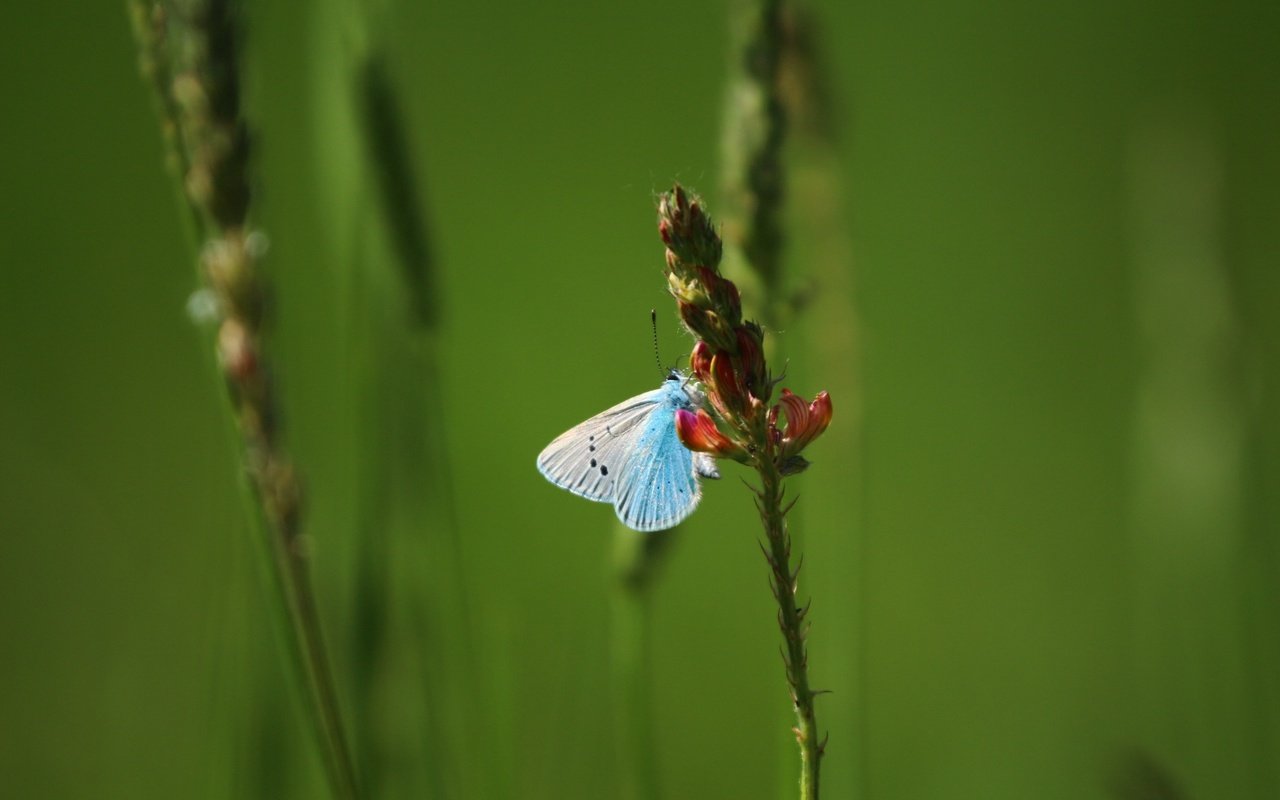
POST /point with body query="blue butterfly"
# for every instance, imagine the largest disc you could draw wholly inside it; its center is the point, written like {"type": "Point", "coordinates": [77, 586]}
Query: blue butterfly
{"type": "Point", "coordinates": [630, 456]}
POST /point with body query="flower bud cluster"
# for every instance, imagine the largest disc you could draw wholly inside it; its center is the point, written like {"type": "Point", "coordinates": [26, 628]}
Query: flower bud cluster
{"type": "Point", "coordinates": [728, 358]}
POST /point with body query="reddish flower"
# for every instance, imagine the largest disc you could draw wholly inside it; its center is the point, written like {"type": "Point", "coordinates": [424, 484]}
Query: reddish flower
{"type": "Point", "coordinates": [700, 434]}
{"type": "Point", "coordinates": [805, 422]}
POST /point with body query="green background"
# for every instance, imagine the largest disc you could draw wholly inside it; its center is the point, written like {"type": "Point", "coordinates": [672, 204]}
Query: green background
{"type": "Point", "coordinates": [1040, 535]}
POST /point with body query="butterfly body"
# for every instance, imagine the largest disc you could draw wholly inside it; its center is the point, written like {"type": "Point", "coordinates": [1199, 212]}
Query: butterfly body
{"type": "Point", "coordinates": [630, 456]}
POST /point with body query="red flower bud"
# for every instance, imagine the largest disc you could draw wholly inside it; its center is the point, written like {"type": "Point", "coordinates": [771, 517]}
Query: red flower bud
{"type": "Point", "coordinates": [687, 231]}
{"type": "Point", "coordinates": [726, 390]}
{"type": "Point", "coordinates": [700, 361]}
{"type": "Point", "coordinates": [694, 318]}
{"type": "Point", "coordinates": [682, 199]}
{"type": "Point", "coordinates": [754, 372]}
{"type": "Point", "coordinates": [724, 295]}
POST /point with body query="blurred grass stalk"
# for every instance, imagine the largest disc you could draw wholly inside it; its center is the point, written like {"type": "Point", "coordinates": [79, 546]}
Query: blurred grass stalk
{"type": "Point", "coordinates": [819, 219]}
{"type": "Point", "coordinates": [1203, 587]}
{"type": "Point", "coordinates": [189, 52]}
{"type": "Point", "coordinates": [753, 180]}
{"type": "Point", "coordinates": [637, 557]}
{"type": "Point", "coordinates": [752, 177]}
{"type": "Point", "coordinates": [410, 633]}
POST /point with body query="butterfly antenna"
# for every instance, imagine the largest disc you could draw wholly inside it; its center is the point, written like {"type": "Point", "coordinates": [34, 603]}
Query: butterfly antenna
{"type": "Point", "coordinates": [657, 355]}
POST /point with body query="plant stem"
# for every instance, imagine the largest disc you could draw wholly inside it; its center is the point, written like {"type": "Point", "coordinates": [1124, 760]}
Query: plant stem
{"type": "Point", "coordinates": [636, 558]}
{"type": "Point", "coordinates": [791, 618]}
{"type": "Point", "coordinates": [291, 574]}
{"type": "Point", "coordinates": [729, 362]}
{"type": "Point", "coordinates": [189, 52]}
{"type": "Point", "coordinates": [634, 729]}
{"type": "Point", "coordinates": [418, 668]}
{"type": "Point", "coordinates": [753, 134]}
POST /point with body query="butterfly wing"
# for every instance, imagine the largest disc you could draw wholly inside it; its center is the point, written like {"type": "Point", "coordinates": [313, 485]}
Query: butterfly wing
{"type": "Point", "coordinates": [658, 487]}
{"type": "Point", "coordinates": [589, 458]}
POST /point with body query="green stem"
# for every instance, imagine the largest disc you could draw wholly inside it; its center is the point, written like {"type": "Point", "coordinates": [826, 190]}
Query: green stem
{"type": "Point", "coordinates": [189, 54]}
{"type": "Point", "coordinates": [791, 618]}
{"type": "Point", "coordinates": [636, 557]}
{"type": "Point", "coordinates": [412, 574]}
{"type": "Point", "coordinates": [291, 575]}
{"type": "Point", "coordinates": [634, 722]}
{"type": "Point", "coordinates": [272, 497]}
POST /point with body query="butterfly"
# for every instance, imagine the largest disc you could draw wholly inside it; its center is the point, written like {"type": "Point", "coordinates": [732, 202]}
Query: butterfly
{"type": "Point", "coordinates": [630, 456]}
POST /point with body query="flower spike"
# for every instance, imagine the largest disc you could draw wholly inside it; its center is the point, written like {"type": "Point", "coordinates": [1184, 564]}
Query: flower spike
{"type": "Point", "coordinates": [728, 358]}
{"type": "Point", "coordinates": [739, 422]}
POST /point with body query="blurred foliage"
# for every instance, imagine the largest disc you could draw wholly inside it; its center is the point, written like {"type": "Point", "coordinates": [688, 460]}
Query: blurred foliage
{"type": "Point", "coordinates": [1044, 556]}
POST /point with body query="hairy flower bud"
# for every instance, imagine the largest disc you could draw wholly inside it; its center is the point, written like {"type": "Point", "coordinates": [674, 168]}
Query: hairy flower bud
{"type": "Point", "coordinates": [724, 295]}
{"type": "Point", "coordinates": [728, 394]}
{"type": "Point", "coordinates": [686, 229]}
{"type": "Point", "coordinates": [754, 372]}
